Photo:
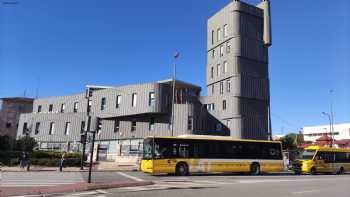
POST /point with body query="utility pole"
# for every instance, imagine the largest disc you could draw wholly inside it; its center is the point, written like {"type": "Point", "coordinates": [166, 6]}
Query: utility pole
{"type": "Point", "coordinates": [88, 109]}
{"type": "Point", "coordinates": [177, 55]}
{"type": "Point", "coordinates": [91, 154]}
{"type": "Point", "coordinates": [330, 126]}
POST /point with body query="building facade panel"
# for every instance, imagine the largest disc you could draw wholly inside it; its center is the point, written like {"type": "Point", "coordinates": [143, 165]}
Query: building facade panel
{"type": "Point", "coordinates": [237, 52]}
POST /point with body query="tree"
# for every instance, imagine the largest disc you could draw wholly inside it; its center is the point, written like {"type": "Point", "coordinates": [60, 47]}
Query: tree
{"type": "Point", "coordinates": [5, 143]}
{"type": "Point", "coordinates": [26, 144]}
{"type": "Point", "coordinates": [289, 142]}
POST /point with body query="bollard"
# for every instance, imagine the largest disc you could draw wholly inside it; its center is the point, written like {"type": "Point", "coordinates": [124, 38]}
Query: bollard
{"type": "Point", "coordinates": [61, 166]}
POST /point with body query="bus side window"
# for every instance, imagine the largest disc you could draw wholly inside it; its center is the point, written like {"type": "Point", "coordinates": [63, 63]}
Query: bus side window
{"type": "Point", "coordinates": [183, 150]}
{"type": "Point", "coordinates": [174, 150]}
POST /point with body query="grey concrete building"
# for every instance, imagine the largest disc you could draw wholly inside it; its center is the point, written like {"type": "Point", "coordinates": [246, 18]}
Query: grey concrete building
{"type": "Point", "coordinates": [237, 103]}
{"type": "Point", "coordinates": [127, 114]}
{"type": "Point", "coordinates": [237, 69]}
{"type": "Point", "coordinates": [10, 110]}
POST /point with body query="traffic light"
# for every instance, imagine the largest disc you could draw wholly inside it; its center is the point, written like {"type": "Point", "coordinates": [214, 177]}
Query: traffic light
{"type": "Point", "coordinates": [83, 138]}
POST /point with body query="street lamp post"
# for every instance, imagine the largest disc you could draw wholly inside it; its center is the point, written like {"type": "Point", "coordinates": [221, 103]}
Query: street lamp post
{"type": "Point", "coordinates": [331, 108]}
{"type": "Point", "coordinates": [176, 56]}
{"type": "Point", "coordinates": [330, 126]}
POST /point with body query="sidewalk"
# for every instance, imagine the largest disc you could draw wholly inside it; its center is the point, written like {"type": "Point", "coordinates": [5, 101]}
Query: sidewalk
{"type": "Point", "coordinates": [83, 186]}
{"type": "Point", "coordinates": [67, 169]}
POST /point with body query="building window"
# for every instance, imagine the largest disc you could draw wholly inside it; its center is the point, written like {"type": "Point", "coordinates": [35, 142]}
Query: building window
{"type": "Point", "coordinates": [224, 105]}
{"type": "Point", "coordinates": [134, 100]}
{"type": "Point", "coordinates": [225, 31]}
{"type": "Point", "coordinates": [118, 101]}
{"type": "Point", "coordinates": [212, 72]}
{"type": "Point", "coordinates": [39, 108]}
{"type": "Point", "coordinates": [218, 69]}
{"type": "Point", "coordinates": [103, 103]}
{"type": "Point", "coordinates": [213, 53]}
{"type": "Point", "coordinates": [212, 89]}
{"type": "Point", "coordinates": [211, 107]}
{"type": "Point", "coordinates": [133, 126]}
{"type": "Point", "coordinates": [151, 99]}
{"type": "Point", "coordinates": [151, 124]}
{"type": "Point", "coordinates": [8, 125]}
{"type": "Point", "coordinates": [82, 127]}
{"type": "Point", "coordinates": [221, 87]}
{"type": "Point", "coordinates": [50, 108]}
{"type": "Point", "coordinates": [219, 34]}
{"type": "Point", "coordinates": [228, 47]}
{"type": "Point", "coordinates": [52, 128]}
{"type": "Point", "coordinates": [228, 85]}
{"type": "Point", "coordinates": [25, 128]}
{"type": "Point", "coordinates": [228, 123]}
{"type": "Point", "coordinates": [116, 126]}
{"type": "Point", "coordinates": [37, 128]}
{"type": "Point", "coordinates": [218, 126]}
{"type": "Point", "coordinates": [212, 36]}
{"type": "Point", "coordinates": [67, 128]}
{"type": "Point", "coordinates": [221, 51]}
{"type": "Point", "coordinates": [190, 123]}
{"type": "Point", "coordinates": [225, 66]}
{"type": "Point", "coordinates": [75, 108]}
{"type": "Point", "coordinates": [63, 106]}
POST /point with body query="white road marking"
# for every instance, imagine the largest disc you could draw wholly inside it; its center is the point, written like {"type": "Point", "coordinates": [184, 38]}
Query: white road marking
{"type": "Point", "coordinates": [84, 193]}
{"type": "Point", "coordinates": [303, 192]}
{"type": "Point", "coordinates": [287, 180]}
{"type": "Point", "coordinates": [102, 191]}
{"type": "Point", "coordinates": [131, 177]}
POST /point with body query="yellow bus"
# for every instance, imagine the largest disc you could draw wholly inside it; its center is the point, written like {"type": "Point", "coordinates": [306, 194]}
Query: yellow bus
{"type": "Point", "coordinates": [187, 154]}
{"type": "Point", "coordinates": [315, 159]}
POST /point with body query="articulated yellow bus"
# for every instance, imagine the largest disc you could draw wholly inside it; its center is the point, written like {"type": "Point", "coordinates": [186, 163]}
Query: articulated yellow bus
{"type": "Point", "coordinates": [187, 154]}
{"type": "Point", "coordinates": [315, 159]}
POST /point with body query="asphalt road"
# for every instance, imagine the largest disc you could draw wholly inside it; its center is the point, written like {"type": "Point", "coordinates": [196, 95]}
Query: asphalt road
{"type": "Point", "coordinates": [273, 185]}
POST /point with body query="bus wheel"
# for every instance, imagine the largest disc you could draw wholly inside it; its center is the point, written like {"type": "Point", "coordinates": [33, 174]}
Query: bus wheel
{"type": "Point", "coordinates": [313, 171]}
{"type": "Point", "coordinates": [255, 169]}
{"type": "Point", "coordinates": [181, 169]}
{"type": "Point", "coordinates": [341, 170]}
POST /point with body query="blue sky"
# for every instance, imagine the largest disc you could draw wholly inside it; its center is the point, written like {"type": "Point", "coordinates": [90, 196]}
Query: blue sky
{"type": "Point", "coordinates": [60, 46]}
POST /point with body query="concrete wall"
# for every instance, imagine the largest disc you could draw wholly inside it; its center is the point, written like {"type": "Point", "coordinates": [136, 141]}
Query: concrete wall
{"type": "Point", "coordinates": [10, 111]}
{"type": "Point", "coordinates": [247, 70]}
{"type": "Point", "coordinates": [125, 114]}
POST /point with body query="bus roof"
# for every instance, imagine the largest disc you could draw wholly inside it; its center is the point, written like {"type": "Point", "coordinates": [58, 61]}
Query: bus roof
{"type": "Point", "coordinates": [209, 137]}
{"type": "Point", "coordinates": [327, 149]}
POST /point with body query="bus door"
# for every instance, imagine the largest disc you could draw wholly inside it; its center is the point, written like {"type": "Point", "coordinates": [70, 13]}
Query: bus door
{"type": "Point", "coordinates": [322, 162]}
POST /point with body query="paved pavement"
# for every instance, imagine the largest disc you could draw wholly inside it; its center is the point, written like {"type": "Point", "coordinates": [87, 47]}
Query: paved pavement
{"type": "Point", "coordinates": [274, 185]}
{"type": "Point", "coordinates": [34, 183]}
{"type": "Point", "coordinates": [25, 179]}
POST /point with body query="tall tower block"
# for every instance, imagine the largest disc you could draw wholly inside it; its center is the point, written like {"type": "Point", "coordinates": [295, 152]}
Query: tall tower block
{"type": "Point", "coordinates": [237, 69]}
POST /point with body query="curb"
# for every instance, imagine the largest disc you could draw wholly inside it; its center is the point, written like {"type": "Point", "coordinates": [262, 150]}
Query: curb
{"type": "Point", "coordinates": [49, 170]}
{"type": "Point", "coordinates": [62, 189]}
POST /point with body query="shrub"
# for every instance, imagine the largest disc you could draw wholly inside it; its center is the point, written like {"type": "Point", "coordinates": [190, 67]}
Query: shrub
{"type": "Point", "coordinates": [54, 155]}
{"type": "Point", "coordinates": [26, 143]}
{"type": "Point", "coordinates": [40, 158]}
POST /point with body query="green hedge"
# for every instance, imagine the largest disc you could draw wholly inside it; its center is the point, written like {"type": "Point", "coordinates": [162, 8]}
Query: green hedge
{"type": "Point", "coordinates": [39, 154]}
{"type": "Point", "coordinates": [41, 158]}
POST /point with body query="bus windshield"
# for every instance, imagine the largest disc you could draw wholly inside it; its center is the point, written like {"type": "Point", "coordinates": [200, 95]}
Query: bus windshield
{"type": "Point", "coordinates": [147, 149]}
{"type": "Point", "coordinates": [307, 154]}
